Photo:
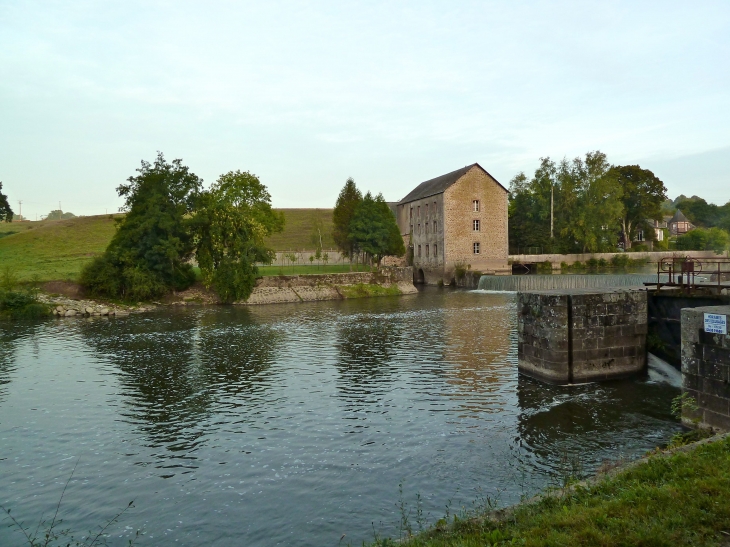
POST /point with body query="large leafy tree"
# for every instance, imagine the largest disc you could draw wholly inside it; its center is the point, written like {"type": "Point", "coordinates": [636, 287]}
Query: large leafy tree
{"type": "Point", "coordinates": [151, 250]}
{"type": "Point", "coordinates": [642, 196]}
{"type": "Point", "coordinates": [232, 221]}
{"type": "Point", "coordinates": [348, 200]}
{"type": "Point", "coordinates": [586, 206]}
{"type": "Point", "coordinates": [6, 213]}
{"type": "Point", "coordinates": [374, 230]}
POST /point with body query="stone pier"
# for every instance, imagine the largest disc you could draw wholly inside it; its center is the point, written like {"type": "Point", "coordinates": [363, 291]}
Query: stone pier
{"type": "Point", "coordinates": [582, 335]}
{"type": "Point", "coordinates": [706, 366]}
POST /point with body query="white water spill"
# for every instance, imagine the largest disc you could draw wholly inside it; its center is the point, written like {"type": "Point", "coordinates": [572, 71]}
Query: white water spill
{"type": "Point", "coordinates": [661, 371]}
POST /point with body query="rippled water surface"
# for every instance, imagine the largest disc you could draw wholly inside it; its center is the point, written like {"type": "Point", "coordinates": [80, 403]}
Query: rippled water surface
{"type": "Point", "coordinates": [295, 424]}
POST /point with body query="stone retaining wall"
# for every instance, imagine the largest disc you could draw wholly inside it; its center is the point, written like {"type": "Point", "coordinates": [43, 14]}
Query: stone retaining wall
{"type": "Point", "coordinates": [582, 335]}
{"type": "Point", "coordinates": [706, 368]}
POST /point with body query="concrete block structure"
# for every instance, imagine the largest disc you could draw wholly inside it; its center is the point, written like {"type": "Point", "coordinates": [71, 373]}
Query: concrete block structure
{"type": "Point", "coordinates": [581, 335]}
{"type": "Point", "coordinates": [706, 368]}
{"type": "Point", "coordinates": [457, 220]}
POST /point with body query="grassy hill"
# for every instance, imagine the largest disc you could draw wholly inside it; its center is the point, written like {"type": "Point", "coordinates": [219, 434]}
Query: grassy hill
{"type": "Point", "coordinates": [57, 250]}
{"type": "Point", "coordinates": [300, 230]}
{"type": "Point", "coordinates": [54, 250]}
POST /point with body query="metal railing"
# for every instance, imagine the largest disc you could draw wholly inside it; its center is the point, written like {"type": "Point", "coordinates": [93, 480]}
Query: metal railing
{"type": "Point", "coordinates": [690, 273]}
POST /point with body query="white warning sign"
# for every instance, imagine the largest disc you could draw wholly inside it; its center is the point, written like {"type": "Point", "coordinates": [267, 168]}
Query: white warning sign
{"type": "Point", "coordinates": [716, 323]}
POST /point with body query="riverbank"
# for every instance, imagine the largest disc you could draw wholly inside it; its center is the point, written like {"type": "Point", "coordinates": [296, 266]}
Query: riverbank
{"type": "Point", "coordinates": [673, 497]}
{"type": "Point", "coordinates": [66, 299]}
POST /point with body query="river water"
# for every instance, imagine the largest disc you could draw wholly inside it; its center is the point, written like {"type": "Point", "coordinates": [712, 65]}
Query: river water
{"type": "Point", "coordinates": [295, 424]}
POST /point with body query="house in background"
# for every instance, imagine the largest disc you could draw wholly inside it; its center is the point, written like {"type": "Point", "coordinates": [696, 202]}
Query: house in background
{"type": "Point", "coordinates": [456, 220]}
{"type": "Point", "coordinates": [679, 224]}
{"type": "Point", "coordinates": [657, 226]}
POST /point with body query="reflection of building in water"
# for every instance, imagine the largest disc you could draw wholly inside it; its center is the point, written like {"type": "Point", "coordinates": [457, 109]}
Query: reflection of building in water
{"type": "Point", "coordinates": [477, 346]}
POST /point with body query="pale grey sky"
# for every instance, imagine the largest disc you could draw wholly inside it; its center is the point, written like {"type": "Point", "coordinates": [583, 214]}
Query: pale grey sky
{"type": "Point", "coordinates": [306, 94]}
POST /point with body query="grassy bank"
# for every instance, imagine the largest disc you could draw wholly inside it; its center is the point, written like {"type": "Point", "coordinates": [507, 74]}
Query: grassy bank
{"type": "Point", "coordinates": [57, 250]}
{"type": "Point", "coordinates": [677, 499]}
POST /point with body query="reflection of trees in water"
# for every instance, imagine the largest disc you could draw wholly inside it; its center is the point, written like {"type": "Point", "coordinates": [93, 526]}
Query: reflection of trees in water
{"type": "Point", "coordinates": [11, 334]}
{"type": "Point", "coordinates": [591, 422]}
{"type": "Point", "coordinates": [176, 366]}
{"type": "Point", "coordinates": [365, 345]}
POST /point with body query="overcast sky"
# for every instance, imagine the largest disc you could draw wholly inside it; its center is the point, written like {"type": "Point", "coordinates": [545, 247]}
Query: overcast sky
{"type": "Point", "coordinates": [307, 94]}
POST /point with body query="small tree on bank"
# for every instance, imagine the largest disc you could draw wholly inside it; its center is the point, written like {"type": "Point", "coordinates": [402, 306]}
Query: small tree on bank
{"type": "Point", "coordinates": [231, 224]}
{"type": "Point", "coordinates": [348, 200]}
{"type": "Point", "coordinates": [169, 219]}
{"type": "Point", "coordinates": [374, 230]}
{"type": "Point", "coordinates": [150, 252]}
{"type": "Point", "coordinates": [6, 213]}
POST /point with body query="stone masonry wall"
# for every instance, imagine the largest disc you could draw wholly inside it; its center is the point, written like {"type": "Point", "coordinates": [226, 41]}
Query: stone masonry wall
{"type": "Point", "coordinates": [706, 368]}
{"type": "Point", "coordinates": [459, 235]}
{"type": "Point", "coordinates": [582, 335]}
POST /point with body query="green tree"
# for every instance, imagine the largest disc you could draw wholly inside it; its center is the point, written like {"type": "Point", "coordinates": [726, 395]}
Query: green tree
{"type": "Point", "coordinates": [374, 230]}
{"type": "Point", "coordinates": [149, 254]}
{"type": "Point", "coordinates": [232, 221]}
{"type": "Point", "coordinates": [704, 239]}
{"type": "Point", "coordinates": [347, 202]}
{"type": "Point", "coordinates": [57, 214]}
{"type": "Point", "coordinates": [6, 213]}
{"type": "Point", "coordinates": [642, 196]}
{"type": "Point", "coordinates": [596, 207]}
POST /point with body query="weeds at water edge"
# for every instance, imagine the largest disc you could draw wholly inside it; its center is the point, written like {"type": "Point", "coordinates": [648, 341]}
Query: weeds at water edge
{"type": "Point", "coordinates": [51, 534]}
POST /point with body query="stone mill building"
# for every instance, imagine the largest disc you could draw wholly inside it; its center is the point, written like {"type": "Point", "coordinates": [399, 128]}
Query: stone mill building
{"type": "Point", "coordinates": [456, 220]}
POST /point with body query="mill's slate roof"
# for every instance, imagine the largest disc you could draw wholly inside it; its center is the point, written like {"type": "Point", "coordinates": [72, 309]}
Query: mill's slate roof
{"type": "Point", "coordinates": [440, 184]}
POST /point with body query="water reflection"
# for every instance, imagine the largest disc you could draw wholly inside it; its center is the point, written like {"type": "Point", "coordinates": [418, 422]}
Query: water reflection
{"type": "Point", "coordinates": [298, 420]}
{"type": "Point", "coordinates": [180, 368]}
{"type": "Point", "coordinates": [12, 335]}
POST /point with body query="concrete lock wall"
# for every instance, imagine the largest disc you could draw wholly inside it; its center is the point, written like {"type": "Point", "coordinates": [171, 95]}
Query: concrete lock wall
{"type": "Point", "coordinates": [706, 368]}
{"type": "Point", "coordinates": [581, 335]}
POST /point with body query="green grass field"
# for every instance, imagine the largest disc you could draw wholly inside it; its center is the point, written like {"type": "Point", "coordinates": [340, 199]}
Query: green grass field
{"type": "Point", "coordinates": [57, 250]}
{"type": "Point", "coordinates": [300, 230]}
{"type": "Point", "coordinates": [54, 250]}
{"type": "Point", "coordinates": [680, 499]}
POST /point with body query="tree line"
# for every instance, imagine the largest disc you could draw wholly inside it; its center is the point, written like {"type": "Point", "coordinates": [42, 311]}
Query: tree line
{"type": "Point", "coordinates": [171, 220]}
{"type": "Point", "coordinates": [365, 225]}
{"type": "Point", "coordinates": [583, 205]}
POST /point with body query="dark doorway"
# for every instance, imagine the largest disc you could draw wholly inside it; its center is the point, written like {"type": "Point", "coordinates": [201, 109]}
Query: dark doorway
{"type": "Point", "coordinates": [418, 277]}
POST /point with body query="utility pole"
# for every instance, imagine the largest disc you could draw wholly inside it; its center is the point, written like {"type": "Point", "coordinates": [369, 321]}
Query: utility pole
{"type": "Point", "coordinates": [551, 210]}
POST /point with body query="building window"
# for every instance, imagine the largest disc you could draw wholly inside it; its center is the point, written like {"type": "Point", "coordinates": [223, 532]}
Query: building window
{"type": "Point", "coordinates": [434, 208]}
{"type": "Point", "coordinates": [476, 247]}
{"type": "Point", "coordinates": [425, 227]}
{"type": "Point", "coordinates": [411, 213]}
{"type": "Point", "coordinates": [427, 209]}
{"type": "Point", "coordinates": [419, 211]}
{"type": "Point", "coordinates": [435, 251]}
{"type": "Point", "coordinates": [419, 251]}
{"type": "Point", "coordinates": [427, 255]}
{"type": "Point", "coordinates": [475, 225]}
{"type": "Point", "coordinates": [419, 229]}
{"type": "Point", "coordinates": [640, 235]}
{"type": "Point", "coordinates": [434, 226]}
{"type": "Point", "coordinates": [475, 205]}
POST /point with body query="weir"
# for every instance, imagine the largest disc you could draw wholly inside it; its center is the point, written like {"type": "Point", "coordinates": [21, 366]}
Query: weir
{"type": "Point", "coordinates": [559, 281]}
